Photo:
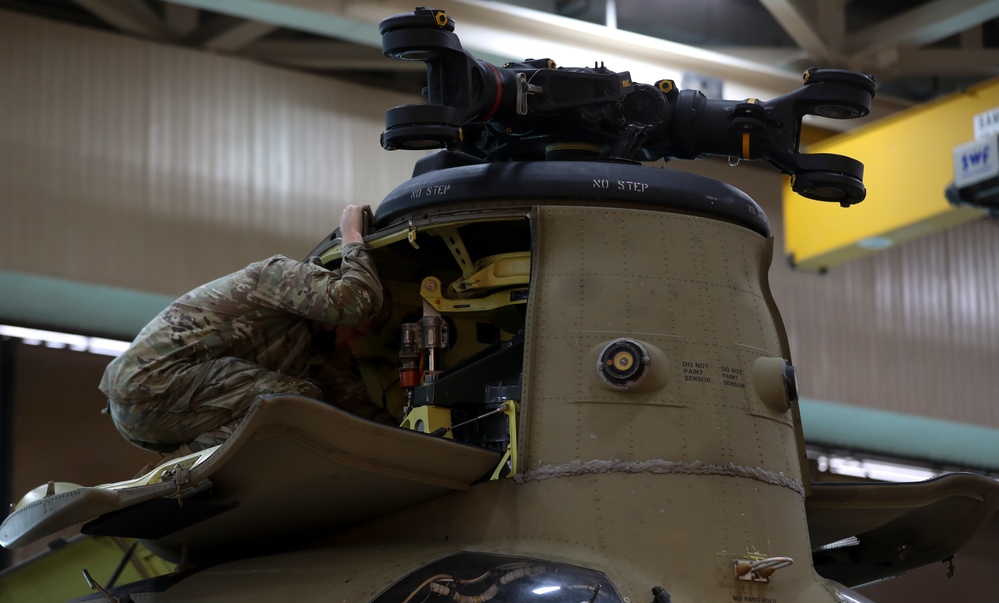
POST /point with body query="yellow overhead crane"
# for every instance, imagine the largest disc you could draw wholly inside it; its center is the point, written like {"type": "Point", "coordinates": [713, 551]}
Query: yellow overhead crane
{"type": "Point", "coordinates": [908, 164]}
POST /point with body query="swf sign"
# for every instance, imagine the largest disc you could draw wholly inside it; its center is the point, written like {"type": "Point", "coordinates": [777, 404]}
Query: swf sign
{"type": "Point", "coordinates": [987, 123]}
{"type": "Point", "coordinates": [976, 161]}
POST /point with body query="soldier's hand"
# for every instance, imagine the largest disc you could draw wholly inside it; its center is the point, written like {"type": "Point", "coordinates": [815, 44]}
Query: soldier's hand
{"type": "Point", "coordinates": [352, 223]}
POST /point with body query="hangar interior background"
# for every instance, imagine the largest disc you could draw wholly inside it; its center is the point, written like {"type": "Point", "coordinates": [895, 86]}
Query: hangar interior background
{"type": "Point", "coordinates": [148, 147]}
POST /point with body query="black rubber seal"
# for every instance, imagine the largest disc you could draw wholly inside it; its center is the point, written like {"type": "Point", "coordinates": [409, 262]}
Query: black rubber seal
{"type": "Point", "coordinates": [609, 184]}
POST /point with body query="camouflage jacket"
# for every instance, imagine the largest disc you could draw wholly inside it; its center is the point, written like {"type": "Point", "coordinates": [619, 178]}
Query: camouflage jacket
{"type": "Point", "coordinates": [265, 313]}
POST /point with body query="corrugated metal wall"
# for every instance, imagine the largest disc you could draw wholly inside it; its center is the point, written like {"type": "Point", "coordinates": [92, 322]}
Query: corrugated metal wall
{"type": "Point", "coordinates": [912, 329]}
{"type": "Point", "coordinates": [157, 168]}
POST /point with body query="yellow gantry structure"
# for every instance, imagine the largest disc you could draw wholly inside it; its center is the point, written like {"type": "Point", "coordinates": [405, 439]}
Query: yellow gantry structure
{"type": "Point", "coordinates": [908, 162]}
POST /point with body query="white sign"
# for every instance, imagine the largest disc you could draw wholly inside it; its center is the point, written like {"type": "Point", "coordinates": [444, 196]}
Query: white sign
{"type": "Point", "coordinates": [976, 161]}
{"type": "Point", "coordinates": [987, 124]}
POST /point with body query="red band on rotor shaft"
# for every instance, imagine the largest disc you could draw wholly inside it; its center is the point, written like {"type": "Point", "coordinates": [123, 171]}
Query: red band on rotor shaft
{"type": "Point", "coordinates": [499, 92]}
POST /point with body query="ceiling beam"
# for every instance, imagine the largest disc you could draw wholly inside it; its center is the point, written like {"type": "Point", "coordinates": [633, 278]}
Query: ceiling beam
{"type": "Point", "coordinates": [791, 16]}
{"type": "Point", "coordinates": [923, 25]}
{"type": "Point", "coordinates": [778, 56]}
{"type": "Point", "coordinates": [182, 20]}
{"type": "Point", "coordinates": [327, 55]}
{"type": "Point", "coordinates": [318, 20]}
{"type": "Point", "coordinates": [950, 61]}
{"type": "Point", "coordinates": [973, 37]}
{"type": "Point", "coordinates": [132, 16]}
{"type": "Point", "coordinates": [498, 33]}
{"type": "Point", "coordinates": [830, 20]}
{"type": "Point", "coordinates": [237, 35]}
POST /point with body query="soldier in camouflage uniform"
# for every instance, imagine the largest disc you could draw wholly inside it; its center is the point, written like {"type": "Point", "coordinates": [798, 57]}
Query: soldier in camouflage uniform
{"type": "Point", "coordinates": [192, 373]}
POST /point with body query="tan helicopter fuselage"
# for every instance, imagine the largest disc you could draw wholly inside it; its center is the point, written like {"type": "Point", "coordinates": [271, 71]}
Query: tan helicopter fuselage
{"type": "Point", "coordinates": [682, 478]}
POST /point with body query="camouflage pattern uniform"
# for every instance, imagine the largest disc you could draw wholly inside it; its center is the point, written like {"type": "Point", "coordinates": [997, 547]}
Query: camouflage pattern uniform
{"type": "Point", "coordinates": [192, 373]}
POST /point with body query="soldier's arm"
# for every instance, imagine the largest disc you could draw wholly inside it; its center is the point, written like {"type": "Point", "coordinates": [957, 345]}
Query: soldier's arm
{"type": "Point", "coordinates": [351, 296]}
{"type": "Point", "coordinates": [352, 223]}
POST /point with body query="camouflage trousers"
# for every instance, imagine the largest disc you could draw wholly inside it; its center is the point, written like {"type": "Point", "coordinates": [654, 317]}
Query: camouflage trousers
{"type": "Point", "coordinates": [219, 394]}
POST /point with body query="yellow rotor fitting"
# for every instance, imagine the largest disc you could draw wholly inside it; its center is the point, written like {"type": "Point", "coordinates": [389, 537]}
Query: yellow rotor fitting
{"type": "Point", "coordinates": [623, 360]}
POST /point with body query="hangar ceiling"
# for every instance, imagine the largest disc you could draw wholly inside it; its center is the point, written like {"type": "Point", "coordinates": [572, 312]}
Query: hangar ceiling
{"type": "Point", "coordinates": [918, 49]}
